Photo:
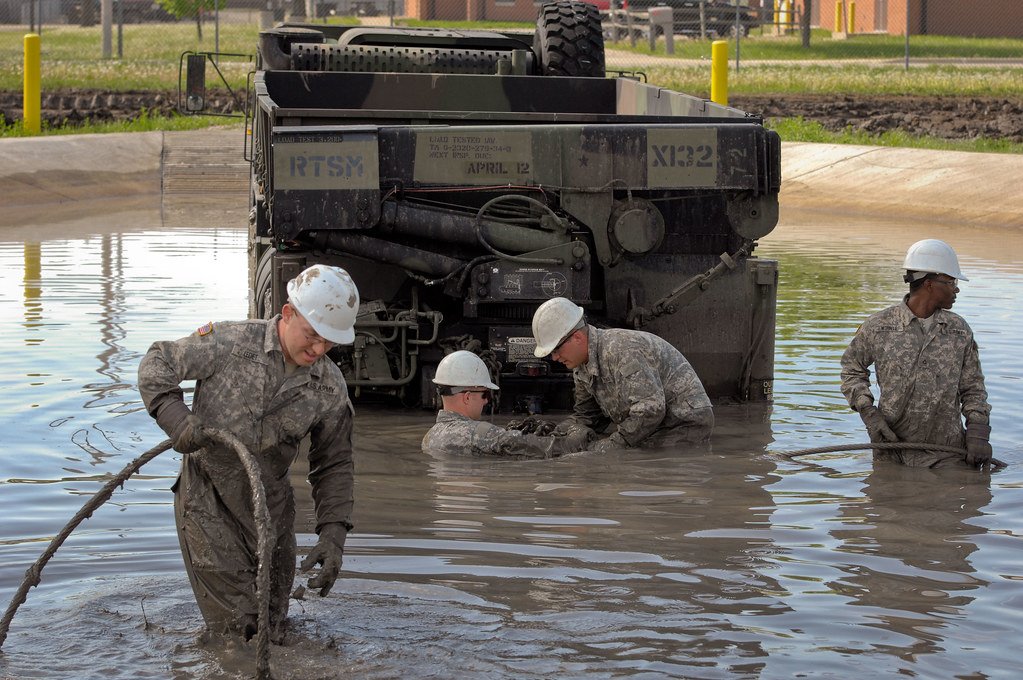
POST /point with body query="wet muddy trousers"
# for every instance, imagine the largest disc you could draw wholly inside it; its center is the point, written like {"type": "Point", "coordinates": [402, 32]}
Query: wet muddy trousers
{"type": "Point", "coordinates": [219, 552]}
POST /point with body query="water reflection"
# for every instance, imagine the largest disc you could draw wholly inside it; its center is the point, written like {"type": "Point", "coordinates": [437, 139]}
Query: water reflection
{"type": "Point", "coordinates": [33, 293]}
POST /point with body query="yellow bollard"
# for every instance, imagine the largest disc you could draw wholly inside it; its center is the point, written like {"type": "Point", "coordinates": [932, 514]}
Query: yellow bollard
{"type": "Point", "coordinates": [852, 18]}
{"type": "Point", "coordinates": [777, 16]}
{"type": "Point", "coordinates": [719, 72]}
{"type": "Point", "coordinates": [838, 16]}
{"type": "Point", "coordinates": [31, 97]}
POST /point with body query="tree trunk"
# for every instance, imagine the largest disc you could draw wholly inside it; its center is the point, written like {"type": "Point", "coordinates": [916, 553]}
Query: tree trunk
{"type": "Point", "coordinates": [198, 23]}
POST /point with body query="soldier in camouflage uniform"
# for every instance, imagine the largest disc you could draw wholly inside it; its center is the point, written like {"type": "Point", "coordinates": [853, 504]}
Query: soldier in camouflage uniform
{"type": "Point", "coordinates": [928, 368]}
{"type": "Point", "coordinates": [465, 385]}
{"type": "Point", "coordinates": [634, 379]}
{"type": "Point", "coordinates": [270, 384]}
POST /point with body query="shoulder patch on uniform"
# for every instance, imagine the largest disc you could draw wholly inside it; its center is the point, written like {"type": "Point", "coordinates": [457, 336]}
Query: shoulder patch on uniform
{"type": "Point", "coordinates": [205, 330]}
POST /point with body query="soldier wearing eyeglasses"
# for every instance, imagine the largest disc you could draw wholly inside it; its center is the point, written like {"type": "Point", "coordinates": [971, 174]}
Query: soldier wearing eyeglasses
{"type": "Point", "coordinates": [927, 368]}
{"type": "Point", "coordinates": [465, 387]}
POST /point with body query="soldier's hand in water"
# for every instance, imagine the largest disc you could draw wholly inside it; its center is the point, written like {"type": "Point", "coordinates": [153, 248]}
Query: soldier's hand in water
{"type": "Point", "coordinates": [978, 446]}
{"type": "Point", "coordinates": [576, 438]}
{"type": "Point", "coordinates": [191, 436]}
{"type": "Point", "coordinates": [877, 426]}
{"type": "Point", "coordinates": [327, 553]}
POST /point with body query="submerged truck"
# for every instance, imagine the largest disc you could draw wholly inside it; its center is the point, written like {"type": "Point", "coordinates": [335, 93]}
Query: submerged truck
{"type": "Point", "coordinates": [463, 177]}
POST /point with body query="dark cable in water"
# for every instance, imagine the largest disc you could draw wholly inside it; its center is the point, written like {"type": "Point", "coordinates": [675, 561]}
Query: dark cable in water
{"type": "Point", "coordinates": [884, 446]}
{"type": "Point", "coordinates": [263, 530]}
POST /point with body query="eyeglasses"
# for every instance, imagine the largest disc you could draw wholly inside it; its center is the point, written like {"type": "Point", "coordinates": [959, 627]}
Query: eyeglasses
{"type": "Point", "coordinates": [562, 343]}
{"type": "Point", "coordinates": [949, 282]}
{"type": "Point", "coordinates": [484, 394]}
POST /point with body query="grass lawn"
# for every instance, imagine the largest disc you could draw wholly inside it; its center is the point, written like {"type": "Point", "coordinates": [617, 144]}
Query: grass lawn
{"type": "Point", "coordinates": [823, 47]}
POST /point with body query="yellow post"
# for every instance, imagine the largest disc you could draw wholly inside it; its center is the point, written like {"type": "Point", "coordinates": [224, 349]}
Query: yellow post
{"type": "Point", "coordinates": [31, 96]}
{"type": "Point", "coordinates": [777, 16]}
{"type": "Point", "coordinates": [852, 18]}
{"type": "Point", "coordinates": [838, 16]}
{"type": "Point", "coordinates": [719, 72]}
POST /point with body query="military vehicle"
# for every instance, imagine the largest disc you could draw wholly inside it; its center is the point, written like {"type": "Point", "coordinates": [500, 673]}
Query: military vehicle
{"type": "Point", "coordinates": [463, 177]}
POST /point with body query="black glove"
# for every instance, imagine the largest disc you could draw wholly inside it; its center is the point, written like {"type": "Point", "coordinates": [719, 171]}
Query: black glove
{"type": "Point", "coordinates": [978, 448]}
{"type": "Point", "coordinates": [327, 553]}
{"type": "Point", "coordinates": [877, 426]}
{"type": "Point", "coordinates": [192, 436]}
{"type": "Point", "coordinates": [184, 429]}
{"type": "Point", "coordinates": [533, 425]}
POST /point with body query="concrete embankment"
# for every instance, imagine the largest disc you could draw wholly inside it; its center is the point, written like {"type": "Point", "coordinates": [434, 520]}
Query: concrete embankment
{"type": "Point", "coordinates": [85, 173]}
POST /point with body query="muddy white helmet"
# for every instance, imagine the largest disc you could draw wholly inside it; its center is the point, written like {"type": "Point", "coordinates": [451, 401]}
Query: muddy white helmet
{"type": "Point", "coordinates": [933, 257]}
{"type": "Point", "coordinates": [463, 369]}
{"type": "Point", "coordinates": [327, 298]}
{"type": "Point", "coordinates": [553, 321]}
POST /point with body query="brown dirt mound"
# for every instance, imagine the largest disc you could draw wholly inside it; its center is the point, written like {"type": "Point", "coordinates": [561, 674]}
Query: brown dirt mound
{"type": "Point", "coordinates": [943, 117]}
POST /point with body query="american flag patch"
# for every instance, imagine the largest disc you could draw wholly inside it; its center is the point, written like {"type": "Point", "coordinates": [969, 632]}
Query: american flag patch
{"type": "Point", "coordinates": [205, 330]}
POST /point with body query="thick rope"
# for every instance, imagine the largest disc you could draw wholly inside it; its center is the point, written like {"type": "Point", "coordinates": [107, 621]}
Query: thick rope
{"type": "Point", "coordinates": [263, 548]}
{"type": "Point", "coordinates": [897, 446]}
{"type": "Point", "coordinates": [34, 573]}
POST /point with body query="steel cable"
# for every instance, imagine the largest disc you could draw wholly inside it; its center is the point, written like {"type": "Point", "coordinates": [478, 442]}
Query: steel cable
{"type": "Point", "coordinates": [896, 446]}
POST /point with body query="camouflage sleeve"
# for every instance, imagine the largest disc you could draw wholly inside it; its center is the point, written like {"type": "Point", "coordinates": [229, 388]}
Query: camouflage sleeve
{"type": "Point", "coordinates": [972, 392]}
{"type": "Point", "coordinates": [491, 440]}
{"type": "Point", "coordinates": [642, 389]}
{"type": "Point", "coordinates": [331, 467]}
{"type": "Point", "coordinates": [856, 362]}
{"type": "Point", "coordinates": [585, 411]}
{"type": "Point", "coordinates": [168, 363]}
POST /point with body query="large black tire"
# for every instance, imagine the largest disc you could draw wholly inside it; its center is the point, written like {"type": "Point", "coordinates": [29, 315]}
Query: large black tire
{"type": "Point", "coordinates": [569, 40]}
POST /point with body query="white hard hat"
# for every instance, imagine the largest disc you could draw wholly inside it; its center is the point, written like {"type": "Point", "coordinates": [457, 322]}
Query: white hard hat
{"type": "Point", "coordinates": [552, 323]}
{"type": "Point", "coordinates": [327, 298]}
{"type": "Point", "coordinates": [463, 369]}
{"type": "Point", "coordinates": [934, 257]}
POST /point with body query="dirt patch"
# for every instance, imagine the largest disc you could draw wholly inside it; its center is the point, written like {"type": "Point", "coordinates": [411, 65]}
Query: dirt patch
{"type": "Point", "coordinates": [943, 117]}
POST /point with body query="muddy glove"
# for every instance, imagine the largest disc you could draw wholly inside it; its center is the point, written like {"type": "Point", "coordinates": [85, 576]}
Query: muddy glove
{"type": "Point", "coordinates": [978, 448]}
{"type": "Point", "coordinates": [182, 426]}
{"type": "Point", "coordinates": [533, 425]}
{"type": "Point", "coordinates": [877, 426]}
{"type": "Point", "coordinates": [327, 553]}
{"type": "Point", "coordinates": [575, 438]}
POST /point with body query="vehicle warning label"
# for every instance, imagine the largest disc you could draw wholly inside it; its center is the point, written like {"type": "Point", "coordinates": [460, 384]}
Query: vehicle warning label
{"type": "Point", "coordinates": [303, 164]}
{"type": "Point", "coordinates": [469, 157]}
{"type": "Point", "coordinates": [520, 349]}
{"type": "Point", "coordinates": [682, 158]}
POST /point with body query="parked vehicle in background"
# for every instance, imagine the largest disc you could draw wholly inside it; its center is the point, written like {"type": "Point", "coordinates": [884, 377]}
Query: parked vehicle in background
{"type": "Point", "coordinates": [718, 15]}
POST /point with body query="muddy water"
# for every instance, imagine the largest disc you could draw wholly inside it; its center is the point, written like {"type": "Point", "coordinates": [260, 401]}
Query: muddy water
{"type": "Point", "coordinates": [722, 564]}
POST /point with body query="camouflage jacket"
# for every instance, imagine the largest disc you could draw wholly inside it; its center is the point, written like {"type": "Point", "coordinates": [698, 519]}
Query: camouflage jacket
{"type": "Point", "coordinates": [241, 387]}
{"type": "Point", "coordinates": [926, 378]}
{"type": "Point", "coordinates": [641, 383]}
{"type": "Point", "coordinates": [454, 433]}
